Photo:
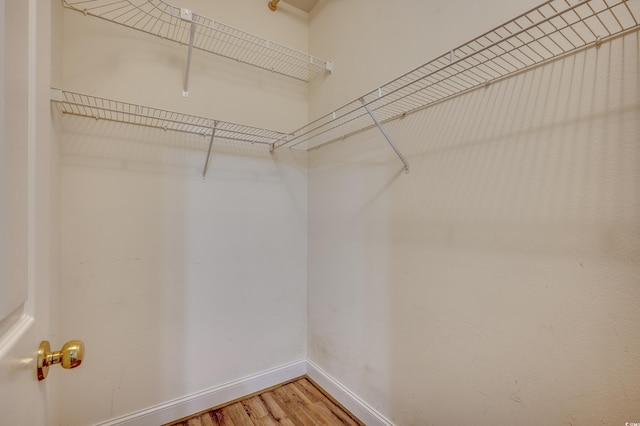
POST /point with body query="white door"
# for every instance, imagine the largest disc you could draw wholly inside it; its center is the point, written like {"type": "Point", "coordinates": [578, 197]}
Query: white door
{"type": "Point", "coordinates": [24, 207]}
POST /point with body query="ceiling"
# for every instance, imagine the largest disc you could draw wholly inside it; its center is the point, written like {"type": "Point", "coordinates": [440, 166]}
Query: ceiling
{"type": "Point", "coordinates": [305, 5]}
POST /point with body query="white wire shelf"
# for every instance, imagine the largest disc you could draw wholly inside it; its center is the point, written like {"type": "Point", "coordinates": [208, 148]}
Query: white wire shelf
{"type": "Point", "coordinates": [554, 28]}
{"type": "Point", "coordinates": [122, 112]}
{"type": "Point", "coordinates": [185, 27]}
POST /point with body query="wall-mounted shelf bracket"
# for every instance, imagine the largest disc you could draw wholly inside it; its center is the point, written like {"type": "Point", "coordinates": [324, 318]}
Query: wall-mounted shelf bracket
{"type": "Point", "coordinates": [386, 136]}
{"type": "Point", "coordinates": [187, 15]}
{"type": "Point", "coordinates": [206, 161]}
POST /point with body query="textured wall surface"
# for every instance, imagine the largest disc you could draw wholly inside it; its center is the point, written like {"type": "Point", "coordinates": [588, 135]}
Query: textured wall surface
{"type": "Point", "coordinates": [497, 282]}
{"type": "Point", "coordinates": [177, 284]}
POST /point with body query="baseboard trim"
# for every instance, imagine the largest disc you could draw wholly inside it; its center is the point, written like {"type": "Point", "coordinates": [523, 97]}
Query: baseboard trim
{"type": "Point", "coordinates": [363, 411]}
{"type": "Point", "coordinates": [200, 401]}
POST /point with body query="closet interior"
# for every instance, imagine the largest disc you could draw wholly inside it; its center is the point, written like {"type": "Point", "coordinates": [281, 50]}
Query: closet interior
{"type": "Point", "coordinates": [308, 248]}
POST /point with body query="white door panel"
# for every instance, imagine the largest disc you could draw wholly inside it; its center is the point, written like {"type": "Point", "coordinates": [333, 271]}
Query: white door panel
{"type": "Point", "coordinates": [13, 156]}
{"type": "Point", "coordinates": [24, 207]}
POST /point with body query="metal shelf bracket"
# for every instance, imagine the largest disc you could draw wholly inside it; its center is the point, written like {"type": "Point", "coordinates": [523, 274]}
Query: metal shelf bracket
{"type": "Point", "coordinates": [206, 161]}
{"type": "Point", "coordinates": [386, 136]}
{"type": "Point", "coordinates": [187, 15]}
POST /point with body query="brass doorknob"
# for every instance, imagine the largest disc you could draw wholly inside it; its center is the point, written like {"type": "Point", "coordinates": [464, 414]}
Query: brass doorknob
{"type": "Point", "coordinates": [70, 356]}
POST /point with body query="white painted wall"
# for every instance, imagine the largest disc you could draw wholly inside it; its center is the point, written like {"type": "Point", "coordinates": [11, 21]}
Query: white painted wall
{"type": "Point", "coordinates": [175, 284]}
{"type": "Point", "coordinates": [495, 284]}
{"type": "Point", "coordinates": [498, 282]}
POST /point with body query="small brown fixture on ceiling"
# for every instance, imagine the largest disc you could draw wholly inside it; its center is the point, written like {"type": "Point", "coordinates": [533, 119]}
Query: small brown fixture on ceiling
{"type": "Point", "coordinates": [273, 4]}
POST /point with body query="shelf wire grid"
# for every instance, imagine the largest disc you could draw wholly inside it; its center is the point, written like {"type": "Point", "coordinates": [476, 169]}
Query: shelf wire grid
{"type": "Point", "coordinates": [122, 112]}
{"type": "Point", "coordinates": [555, 28]}
{"type": "Point", "coordinates": [164, 20]}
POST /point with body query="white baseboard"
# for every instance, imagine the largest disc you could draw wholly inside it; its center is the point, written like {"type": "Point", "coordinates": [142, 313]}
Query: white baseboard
{"type": "Point", "coordinates": [200, 401]}
{"type": "Point", "coordinates": [363, 411]}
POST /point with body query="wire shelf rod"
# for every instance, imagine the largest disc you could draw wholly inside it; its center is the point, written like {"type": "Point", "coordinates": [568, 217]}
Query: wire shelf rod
{"type": "Point", "coordinates": [158, 18]}
{"type": "Point", "coordinates": [555, 28]}
{"type": "Point", "coordinates": [552, 29]}
{"type": "Point", "coordinates": [116, 111]}
{"type": "Point", "coordinates": [443, 67]}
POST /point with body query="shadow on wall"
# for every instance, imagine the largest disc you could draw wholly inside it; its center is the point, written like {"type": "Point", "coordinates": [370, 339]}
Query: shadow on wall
{"type": "Point", "coordinates": [497, 282]}
{"type": "Point", "coordinates": [547, 151]}
{"type": "Point", "coordinates": [175, 283]}
{"type": "Point", "coordinates": [515, 252]}
{"type": "Point", "coordinates": [123, 269]}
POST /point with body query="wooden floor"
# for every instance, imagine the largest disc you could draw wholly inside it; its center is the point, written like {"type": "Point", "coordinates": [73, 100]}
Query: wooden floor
{"type": "Point", "coordinates": [297, 403]}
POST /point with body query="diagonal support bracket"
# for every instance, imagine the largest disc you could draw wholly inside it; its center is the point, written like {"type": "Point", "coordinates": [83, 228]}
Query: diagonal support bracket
{"type": "Point", "coordinates": [206, 162]}
{"type": "Point", "coordinates": [187, 15]}
{"type": "Point", "coordinates": [386, 136]}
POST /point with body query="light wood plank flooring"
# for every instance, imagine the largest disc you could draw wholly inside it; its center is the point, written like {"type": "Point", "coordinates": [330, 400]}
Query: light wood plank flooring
{"type": "Point", "coordinates": [297, 403]}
